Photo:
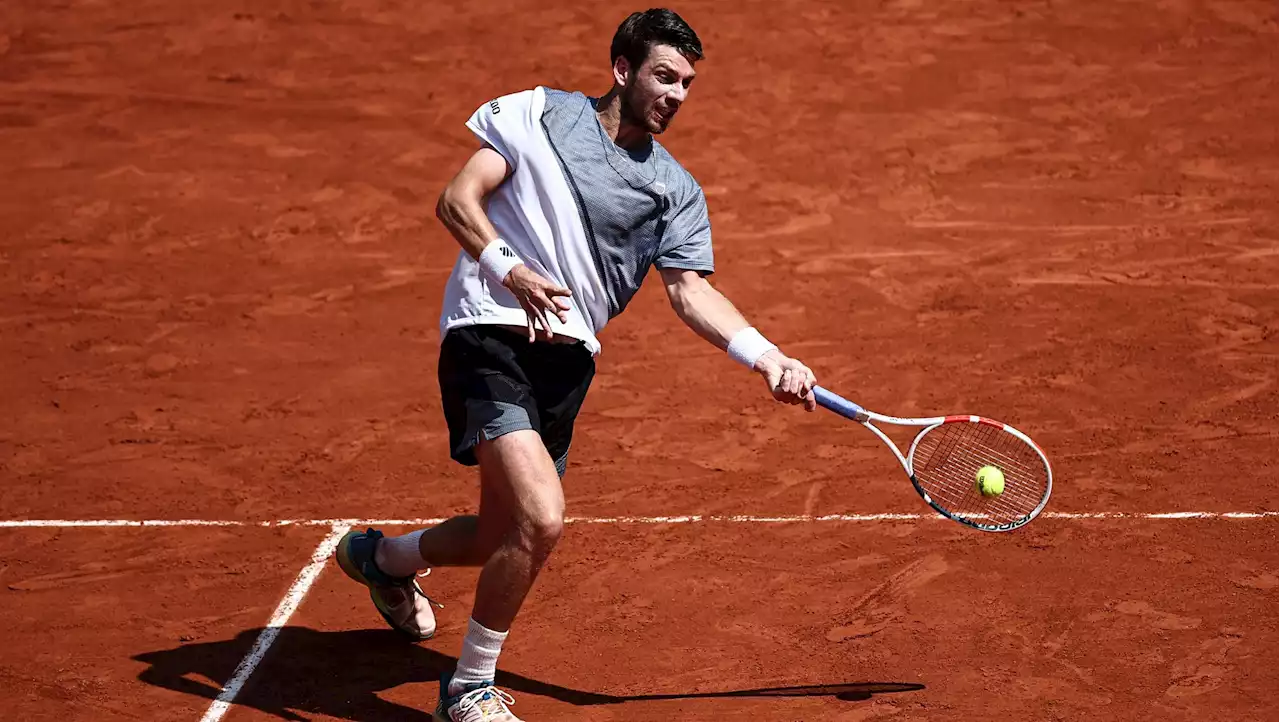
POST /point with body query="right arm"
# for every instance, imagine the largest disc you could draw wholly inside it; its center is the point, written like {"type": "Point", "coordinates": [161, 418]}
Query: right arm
{"type": "Point", "coordinates": [460, 206]}
{"type": "Point", "coordinates": [461, 210]}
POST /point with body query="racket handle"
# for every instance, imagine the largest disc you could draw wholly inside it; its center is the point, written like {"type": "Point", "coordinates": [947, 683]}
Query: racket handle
{"type": "Point", "coordinates": [837, 403]}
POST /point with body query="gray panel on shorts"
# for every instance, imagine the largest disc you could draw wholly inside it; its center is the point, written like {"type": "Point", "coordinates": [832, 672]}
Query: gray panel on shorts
{"type": "Point", "coordinates": [490, 419]}
{"type": "Point", "coordinates": [639, 209]}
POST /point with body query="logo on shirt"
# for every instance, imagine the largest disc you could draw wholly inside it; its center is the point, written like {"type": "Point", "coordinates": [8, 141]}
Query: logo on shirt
{"type": "Point", "coordinates": [494, 107]}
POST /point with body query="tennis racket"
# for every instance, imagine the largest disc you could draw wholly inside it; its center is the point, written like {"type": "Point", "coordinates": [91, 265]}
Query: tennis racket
{"type": "Point", "coordinates": [945, 457]}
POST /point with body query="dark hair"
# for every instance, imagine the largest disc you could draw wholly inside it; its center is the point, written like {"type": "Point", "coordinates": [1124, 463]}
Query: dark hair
{"type": "Point", "coordinates": [656, 26]}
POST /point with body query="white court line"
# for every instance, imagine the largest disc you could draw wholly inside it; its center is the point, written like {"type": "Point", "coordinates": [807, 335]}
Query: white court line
{"type": "Point", "coordinates": [684, 519]}
{"type": "Point", "coordinates": [337, 527]}
{"type": "Point", "coordinates": [288, 606]}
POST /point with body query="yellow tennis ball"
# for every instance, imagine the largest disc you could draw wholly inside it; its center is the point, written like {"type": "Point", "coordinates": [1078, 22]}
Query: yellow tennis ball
{"type": "Point", "coordinates": [990, 481]}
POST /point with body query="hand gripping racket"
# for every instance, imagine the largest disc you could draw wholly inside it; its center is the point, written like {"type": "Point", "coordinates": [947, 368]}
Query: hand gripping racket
{"type": "Point", "coordinates": [945, 457]}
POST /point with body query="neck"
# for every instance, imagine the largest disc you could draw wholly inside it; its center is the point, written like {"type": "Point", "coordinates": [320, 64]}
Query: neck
{"type": "Point", "coordinates": [621, 130]}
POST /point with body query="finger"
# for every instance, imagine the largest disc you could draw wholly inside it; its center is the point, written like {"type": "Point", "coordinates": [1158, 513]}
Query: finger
{"type": "Point", "coordinates": [786, 391]}
{"type": "Point", "coordinates": [536, 319]}
{"type": "Point", "coordinates": [546, 325]}
{"type": "Point", "coordinates": [559, 291]}
{"type": "Point", "coordinates": [810, 402]}
{"type": "Point", "coordinates": [535, 305]}
{"type": "Point", "coordinates": [777, 383]}
{"type": "Point", "coordinates": [543, 299]}
{"type": "Point", "coordinates": [559, 307]}
{"type": "Point", "coordinates": [794, 382]}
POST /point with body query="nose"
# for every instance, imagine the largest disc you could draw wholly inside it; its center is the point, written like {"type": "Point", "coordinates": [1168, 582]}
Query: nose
{"type": "Point", "coordinates": [678, 94]}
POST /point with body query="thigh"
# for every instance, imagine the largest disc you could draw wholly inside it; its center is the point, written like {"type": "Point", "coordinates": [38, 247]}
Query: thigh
{"type": "Point", "coordinates": [520, 477]}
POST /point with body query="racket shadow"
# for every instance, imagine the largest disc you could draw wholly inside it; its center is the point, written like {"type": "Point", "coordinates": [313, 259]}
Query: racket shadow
{"type": "Point", "coordinates": [849, 692]}
{"type": "Point", "coordinates": [342, 674]}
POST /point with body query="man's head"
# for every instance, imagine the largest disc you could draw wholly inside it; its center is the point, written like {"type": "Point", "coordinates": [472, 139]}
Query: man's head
{"type": "Point", "coordinates": [653, 54]}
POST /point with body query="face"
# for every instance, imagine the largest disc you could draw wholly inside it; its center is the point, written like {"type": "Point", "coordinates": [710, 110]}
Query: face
{"type": "Point", "coordinates": [654, 92]}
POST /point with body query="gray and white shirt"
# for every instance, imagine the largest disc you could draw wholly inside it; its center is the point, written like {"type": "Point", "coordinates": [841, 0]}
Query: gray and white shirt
{"type": "Point", "coordinates": [579, 210]}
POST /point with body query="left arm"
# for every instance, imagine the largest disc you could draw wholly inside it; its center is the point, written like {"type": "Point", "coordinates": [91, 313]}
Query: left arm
{"type": "Point", "coordinates": [714, 318]}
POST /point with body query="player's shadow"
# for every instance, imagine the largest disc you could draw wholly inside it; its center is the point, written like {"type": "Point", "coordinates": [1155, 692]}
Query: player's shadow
{"type": "Point", "coordinates": [339, 674]}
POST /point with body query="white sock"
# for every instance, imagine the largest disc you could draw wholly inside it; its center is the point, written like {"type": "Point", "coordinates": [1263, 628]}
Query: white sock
{"type": "Point", "coordinates": [479, 659]}
{"type": "Point", "coordinates": [399, 556]}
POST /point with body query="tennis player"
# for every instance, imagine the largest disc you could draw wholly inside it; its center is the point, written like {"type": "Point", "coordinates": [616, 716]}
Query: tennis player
{"type": "Point", "coordinates": [560, 214]}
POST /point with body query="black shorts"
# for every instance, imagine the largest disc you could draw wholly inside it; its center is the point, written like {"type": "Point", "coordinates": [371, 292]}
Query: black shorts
{"type": "Point", "coordinates": [493, 381]}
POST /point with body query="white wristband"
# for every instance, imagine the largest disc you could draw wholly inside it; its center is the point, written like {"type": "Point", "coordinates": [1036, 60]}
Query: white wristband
{"type": "Point", "coordinates": [747, 346]}
{"type": "Point", "coordinates": [496, 261]}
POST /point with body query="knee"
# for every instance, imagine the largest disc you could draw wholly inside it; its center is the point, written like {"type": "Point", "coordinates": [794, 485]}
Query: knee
{"type": "Point", "coordinates": [539, 528]}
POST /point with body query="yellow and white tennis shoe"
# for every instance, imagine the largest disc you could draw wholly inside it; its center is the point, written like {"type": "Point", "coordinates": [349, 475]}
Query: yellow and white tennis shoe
{"type": "Point", "coordinates": [478, 703]}
{"type": "Point", "coordinates": [400, 600]}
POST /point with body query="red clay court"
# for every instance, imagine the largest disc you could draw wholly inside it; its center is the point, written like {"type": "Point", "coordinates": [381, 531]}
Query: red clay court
{"type": "Point", "coordinates": [221, 282]}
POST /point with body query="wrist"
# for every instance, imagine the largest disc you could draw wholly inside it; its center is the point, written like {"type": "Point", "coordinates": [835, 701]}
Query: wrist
{"type": "Point", "coordinates": [748, 347]}
{"type": "Point", "coordinates": [496, 261]}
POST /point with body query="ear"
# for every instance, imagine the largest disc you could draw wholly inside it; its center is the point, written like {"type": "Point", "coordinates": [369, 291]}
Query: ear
{"type": "Point", "coordinates": [621, 71]}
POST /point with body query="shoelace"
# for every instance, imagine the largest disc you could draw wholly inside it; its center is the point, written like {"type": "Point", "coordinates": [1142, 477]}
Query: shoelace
{"type": "Point", "coordinates": [423, 594]}
{"type": "Point", "coordinates": [497, 701]}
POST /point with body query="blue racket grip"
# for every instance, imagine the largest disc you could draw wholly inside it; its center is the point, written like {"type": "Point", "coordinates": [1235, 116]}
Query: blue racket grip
{"type": "Point", "coordinates": [837, 403]}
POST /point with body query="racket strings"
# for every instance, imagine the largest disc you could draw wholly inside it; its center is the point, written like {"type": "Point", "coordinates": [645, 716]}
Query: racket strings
{"type": "Point", "coordinates": [1013, 493]}
{"type": "Point", "coordinates": [957, 476]}
{"type": "Point", "coordinates": [946, 460]}
{"type": "Point", "coordinates": [948, 470]}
